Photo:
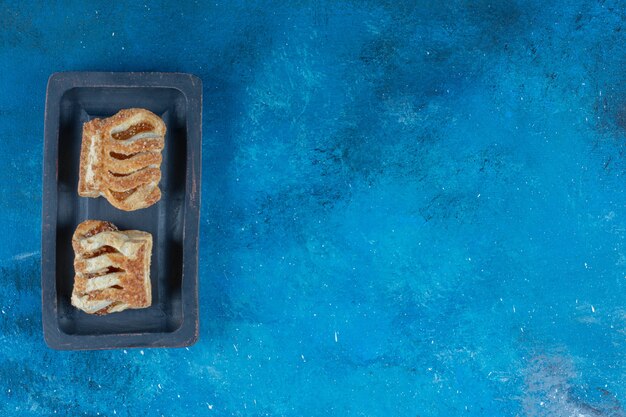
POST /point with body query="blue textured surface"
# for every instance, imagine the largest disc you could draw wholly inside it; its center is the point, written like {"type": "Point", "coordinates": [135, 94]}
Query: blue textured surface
{"type": "Point", "coordinates": [408, 210]}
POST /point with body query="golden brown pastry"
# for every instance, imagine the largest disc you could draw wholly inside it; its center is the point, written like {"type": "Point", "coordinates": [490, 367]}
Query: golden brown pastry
{"type": "Point", "coordinates": [112, 268]}
{"type": "Point", "coordinates": [120, 159]}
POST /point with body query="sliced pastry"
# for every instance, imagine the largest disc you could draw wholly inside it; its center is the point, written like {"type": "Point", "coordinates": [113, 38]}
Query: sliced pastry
{"type": "Point", "coordinates": [112, 268]}
{"type": "Point", "coordinates": [120, 159]}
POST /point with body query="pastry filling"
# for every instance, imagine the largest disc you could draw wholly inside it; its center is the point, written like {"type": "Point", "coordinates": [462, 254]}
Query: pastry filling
{"type": "Point", "coordinates": [109, 270]}
{"type": "Point", "coordinates": [115, 174]}
{"type": "Point", "coordinates": [123, 195]}
{"type": "Point", "coordinates": [102, 227]}
{"type": "Point", "coordinates": [132, 131]}
{"type": "Point", "coordinates": [121, 156]}
{"type": "Point", "coordinates": [100, 251]}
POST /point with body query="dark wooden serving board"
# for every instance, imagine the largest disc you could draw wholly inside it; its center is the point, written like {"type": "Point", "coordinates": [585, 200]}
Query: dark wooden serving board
{"type": "Point", "coordinates": [72, 99]}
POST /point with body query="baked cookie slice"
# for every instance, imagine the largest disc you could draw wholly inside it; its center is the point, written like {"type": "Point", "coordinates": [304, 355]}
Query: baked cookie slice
{"type": "Point", "coordinates": [112, 268]}
{"type": "Point", "coordinates": [120, 159]}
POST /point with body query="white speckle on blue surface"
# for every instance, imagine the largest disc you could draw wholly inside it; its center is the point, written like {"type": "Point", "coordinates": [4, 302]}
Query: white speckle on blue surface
{"type": "Point", "coordinates": [24, 255]}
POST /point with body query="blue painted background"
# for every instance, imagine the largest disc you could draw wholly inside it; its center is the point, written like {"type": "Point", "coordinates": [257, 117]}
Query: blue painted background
{"type": "Point", "coordinates": [409, 208]}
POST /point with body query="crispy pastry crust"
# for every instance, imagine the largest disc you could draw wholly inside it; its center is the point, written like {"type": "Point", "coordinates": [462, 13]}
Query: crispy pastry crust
{"type": "Point", "coordinates": [112, 268]}
{"type": "Point", "coordinates": [120, 159]}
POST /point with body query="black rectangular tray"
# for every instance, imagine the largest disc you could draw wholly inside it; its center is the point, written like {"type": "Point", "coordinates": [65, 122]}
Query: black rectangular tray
{"type": "Point", "coordinates": [72, 99]}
